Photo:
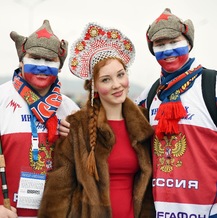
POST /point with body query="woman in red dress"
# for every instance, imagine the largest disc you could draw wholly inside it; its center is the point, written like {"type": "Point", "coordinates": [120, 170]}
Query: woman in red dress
{"type": "Point", "coordinates": [102, 169]}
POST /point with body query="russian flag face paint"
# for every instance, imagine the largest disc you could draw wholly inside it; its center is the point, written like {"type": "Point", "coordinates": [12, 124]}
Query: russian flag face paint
{"type": "Point", "coordinates": [40, 66]}
{"type": "Point", "coordinates": [39, 73]}
{"type": "Point", "coordinates": [171, 50]}
{"type": "Point", "coordinates": [172, 56]}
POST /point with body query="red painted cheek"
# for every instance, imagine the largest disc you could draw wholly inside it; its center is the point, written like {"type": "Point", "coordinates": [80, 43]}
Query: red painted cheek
{"type": "Point", "coordinates": [125, 84]}
{"type": "Point", "coordinates": [37, 82]}
{"type": "Point", "coordinates": [103, 91]}
{"type": "Point", "coordinates": [174, 65]}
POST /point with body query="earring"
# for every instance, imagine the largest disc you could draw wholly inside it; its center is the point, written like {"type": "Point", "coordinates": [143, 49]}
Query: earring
{"type": "Point", "coordinates": [96, 95]}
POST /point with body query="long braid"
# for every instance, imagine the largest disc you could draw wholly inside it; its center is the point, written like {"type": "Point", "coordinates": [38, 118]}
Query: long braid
{"type": "Point", "coordinates": [94, 105]}
{"type": "Point", "coordinates": [92, 126]}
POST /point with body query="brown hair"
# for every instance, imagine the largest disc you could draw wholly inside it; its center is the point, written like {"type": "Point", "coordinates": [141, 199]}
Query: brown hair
{"type": "Point", "coordinates": [93, 114]}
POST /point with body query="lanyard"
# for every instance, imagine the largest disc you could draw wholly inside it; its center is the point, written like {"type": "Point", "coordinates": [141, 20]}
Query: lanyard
{"type": "Point", "coordinates": [34, 137]}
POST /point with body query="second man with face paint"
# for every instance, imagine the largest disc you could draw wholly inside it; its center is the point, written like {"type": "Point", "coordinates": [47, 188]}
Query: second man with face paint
{"type": "Point", "coordinates": [184, 145]}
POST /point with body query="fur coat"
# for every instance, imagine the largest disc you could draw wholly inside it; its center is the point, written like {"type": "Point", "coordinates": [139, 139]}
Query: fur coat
{"type": "Point", "coordinates": [72, 192]}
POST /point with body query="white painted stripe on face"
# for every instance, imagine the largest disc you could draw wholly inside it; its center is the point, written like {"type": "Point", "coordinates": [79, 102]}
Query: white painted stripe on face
{"type": "Point", "coordinates": [170, 46]}
{"type": "Point", "coordinates": [41, 62]}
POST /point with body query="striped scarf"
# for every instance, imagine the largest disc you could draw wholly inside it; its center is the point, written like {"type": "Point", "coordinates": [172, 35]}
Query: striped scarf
{"type": "Point", "coordinates": [172, 86]}
{"type": "Point", "coordinates": [43, 107]}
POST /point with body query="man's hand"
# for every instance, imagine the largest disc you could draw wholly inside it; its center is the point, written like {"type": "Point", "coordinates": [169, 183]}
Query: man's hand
{"type": "Point", "coordinates": [6, 213]}
{"type": "Point", "coordinates": [64, 126]}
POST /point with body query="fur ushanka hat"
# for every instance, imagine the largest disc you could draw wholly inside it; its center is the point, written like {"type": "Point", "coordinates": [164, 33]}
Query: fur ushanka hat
{"type": "Point", "coordinates": [169, 26]}
{"type": "Point", "coordinates": [42, 43]}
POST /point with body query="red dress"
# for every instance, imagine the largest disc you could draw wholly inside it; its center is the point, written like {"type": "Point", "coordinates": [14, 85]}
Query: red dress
{"type": "Point", "coordinates": [123, 164]}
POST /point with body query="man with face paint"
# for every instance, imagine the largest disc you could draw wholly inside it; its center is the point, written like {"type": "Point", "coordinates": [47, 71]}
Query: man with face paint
{"type": "Point", "coordinates": [184, 145]}
{"type": "Point", "coordinates": [31, 106]}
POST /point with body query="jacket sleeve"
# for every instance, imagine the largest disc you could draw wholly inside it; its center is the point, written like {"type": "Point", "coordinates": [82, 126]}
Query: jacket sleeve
{"type": "Point", "coordinates": [56, 200]}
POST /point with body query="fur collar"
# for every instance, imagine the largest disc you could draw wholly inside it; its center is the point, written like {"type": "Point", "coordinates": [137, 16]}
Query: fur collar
{"type": "Point", "coordinates": [136, 122]}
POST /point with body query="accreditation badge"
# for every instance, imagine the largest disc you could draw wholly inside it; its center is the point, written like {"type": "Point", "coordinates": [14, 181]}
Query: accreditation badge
{"type": "Point", "coordinates": [30, 190]}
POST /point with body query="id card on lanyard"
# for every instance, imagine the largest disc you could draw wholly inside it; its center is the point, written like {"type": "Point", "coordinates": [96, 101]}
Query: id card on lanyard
{"type": "Point", "coordinates": [31, 186]}
{"type": "Point", "coordinates": [30, 190]}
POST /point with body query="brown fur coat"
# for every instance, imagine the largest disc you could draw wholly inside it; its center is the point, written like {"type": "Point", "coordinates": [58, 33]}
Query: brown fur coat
{"type": "Point", "coordinates": [72, 192]}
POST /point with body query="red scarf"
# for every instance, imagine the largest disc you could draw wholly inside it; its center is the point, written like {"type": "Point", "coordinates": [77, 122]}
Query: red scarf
{"type": "Point", "coordinates": [171, 109]}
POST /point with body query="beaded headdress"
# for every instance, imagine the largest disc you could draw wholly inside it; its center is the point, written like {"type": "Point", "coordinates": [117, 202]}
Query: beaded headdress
{"type": "Point", "coordinates": [98, 43]}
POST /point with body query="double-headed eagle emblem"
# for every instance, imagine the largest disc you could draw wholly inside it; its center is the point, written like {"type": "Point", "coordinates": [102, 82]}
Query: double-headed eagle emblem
{"type": "Point", "coordinates": [169, 151]}
{"type": "Point", "coordinates": [44, 162]}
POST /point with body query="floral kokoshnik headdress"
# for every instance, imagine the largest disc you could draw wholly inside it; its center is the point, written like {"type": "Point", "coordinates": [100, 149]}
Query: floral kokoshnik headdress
{"type": "Point", "coordinates": [96, 44]}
